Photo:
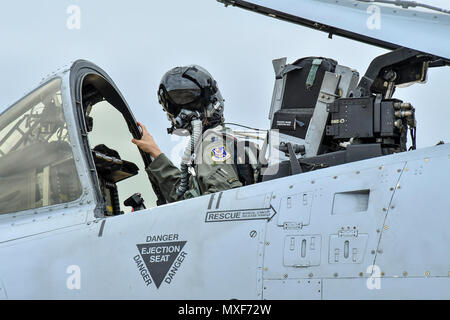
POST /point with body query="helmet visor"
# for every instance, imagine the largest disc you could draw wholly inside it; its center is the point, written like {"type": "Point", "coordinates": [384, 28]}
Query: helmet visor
{"type": "Point", "coordinates": [184, 96]}
{"type": "Point", "coordinates": [173, 101]}
{"type": "Point", "coordinates": [181, 90]}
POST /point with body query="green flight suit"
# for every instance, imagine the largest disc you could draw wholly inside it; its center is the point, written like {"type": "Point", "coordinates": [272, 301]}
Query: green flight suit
{"type": "Point", "coordinates": [215, 170]}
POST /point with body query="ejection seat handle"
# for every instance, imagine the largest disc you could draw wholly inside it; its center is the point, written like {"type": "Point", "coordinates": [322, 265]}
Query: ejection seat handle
{"type": "Point", "coordinates": [295, 165]}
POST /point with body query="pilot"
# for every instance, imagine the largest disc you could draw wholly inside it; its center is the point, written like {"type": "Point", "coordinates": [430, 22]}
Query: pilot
{"type": "Point", "coordinates": [194, 106]}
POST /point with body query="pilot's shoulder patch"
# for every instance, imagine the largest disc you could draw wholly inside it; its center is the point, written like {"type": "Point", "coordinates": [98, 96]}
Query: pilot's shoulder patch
{"type": "Point", "coordinates": [219, 154]}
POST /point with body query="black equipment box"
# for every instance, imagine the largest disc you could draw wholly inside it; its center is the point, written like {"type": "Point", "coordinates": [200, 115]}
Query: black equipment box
{"type": "Point", "coordinates": [362, 118]}
{"type": "Point", "coordinates": [351, 118]}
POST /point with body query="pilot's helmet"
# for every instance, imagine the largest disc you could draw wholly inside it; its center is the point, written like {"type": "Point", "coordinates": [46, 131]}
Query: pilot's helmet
{"type": "Point", "coordinates": [188, 91]}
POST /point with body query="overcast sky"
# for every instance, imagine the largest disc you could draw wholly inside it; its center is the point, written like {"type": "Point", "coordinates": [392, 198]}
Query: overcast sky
{"type": "Point", "coordinates": [137, 41]}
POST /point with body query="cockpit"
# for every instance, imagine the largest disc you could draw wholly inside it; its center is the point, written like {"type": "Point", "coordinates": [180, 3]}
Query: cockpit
{"type": "Point", "coordinates": [71, 137]}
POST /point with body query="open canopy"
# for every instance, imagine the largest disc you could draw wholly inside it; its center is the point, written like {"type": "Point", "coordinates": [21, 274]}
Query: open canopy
{"type": "Point", "coordinates": [375, 22]}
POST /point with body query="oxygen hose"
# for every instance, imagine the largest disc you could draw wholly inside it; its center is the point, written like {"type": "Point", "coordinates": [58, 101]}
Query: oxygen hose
{"type": "Point", "coordinates": [186, 160]}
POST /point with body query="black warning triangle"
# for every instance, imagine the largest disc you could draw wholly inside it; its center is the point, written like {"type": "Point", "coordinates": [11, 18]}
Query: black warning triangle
{"type": "Point", "coordinates": [159, 257]}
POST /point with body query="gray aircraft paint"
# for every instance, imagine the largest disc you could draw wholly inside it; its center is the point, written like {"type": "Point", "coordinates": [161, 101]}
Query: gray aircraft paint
{"type": "Point", "coordinates": [402, 228]}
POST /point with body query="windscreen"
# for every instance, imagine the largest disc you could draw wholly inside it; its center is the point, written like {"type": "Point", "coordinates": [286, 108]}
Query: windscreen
{"type": "Point", "coordinates": [37, 167]}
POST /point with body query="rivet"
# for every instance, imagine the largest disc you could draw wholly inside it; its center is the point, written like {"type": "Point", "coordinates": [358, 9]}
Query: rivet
{"type": "Point", "coordinates": [392, 189]}
{"type": "Point", "coordinates": [285, 276]}
{"type": "Point", "coordinates": [399, 170]}
{"type": "Point", "coordinates": [398, 187]}
{"type": "Point", "coordinates": [335, 275]}
{"type": "Point", "coordinates": [427, 159]}
{"type": "Point", "coordinates": [384, 209]}
{"type": "Point", "coordinates": [361, 274]}
{"type": "Point", "coordinates": [392, 207]}
{"type": "Point", "coordinates": [335, 177]}
{"type": "Point", "coordinates": [290, 187]}
{"type": "Point", "coordinates": [358, 172]}
{"type": "Point", "coordinates": [267, 243]}
{"type": "Point", "coordinates": [378, 230]}
{"type": "Point", "coordinates": [427, 273]}
{"type": "Point", "coordinates": [313, 182]}
{"type": "Point", "coordinates": [382, 274]}
{"type": "Point", "coordinates": [380, 251]}
{"type": "Point", "coordinates": [265, 269]}
{"type": "Point", "coordinates": [405, 273]}
{"type": "Point", "coordinates": [310, 275]}
{"type": "Point", "coordinates": [386, 227]}
{"type": "Point", "coordinates": [380, 168]}
{"type": "Point", "coordinates": [372, 252]}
